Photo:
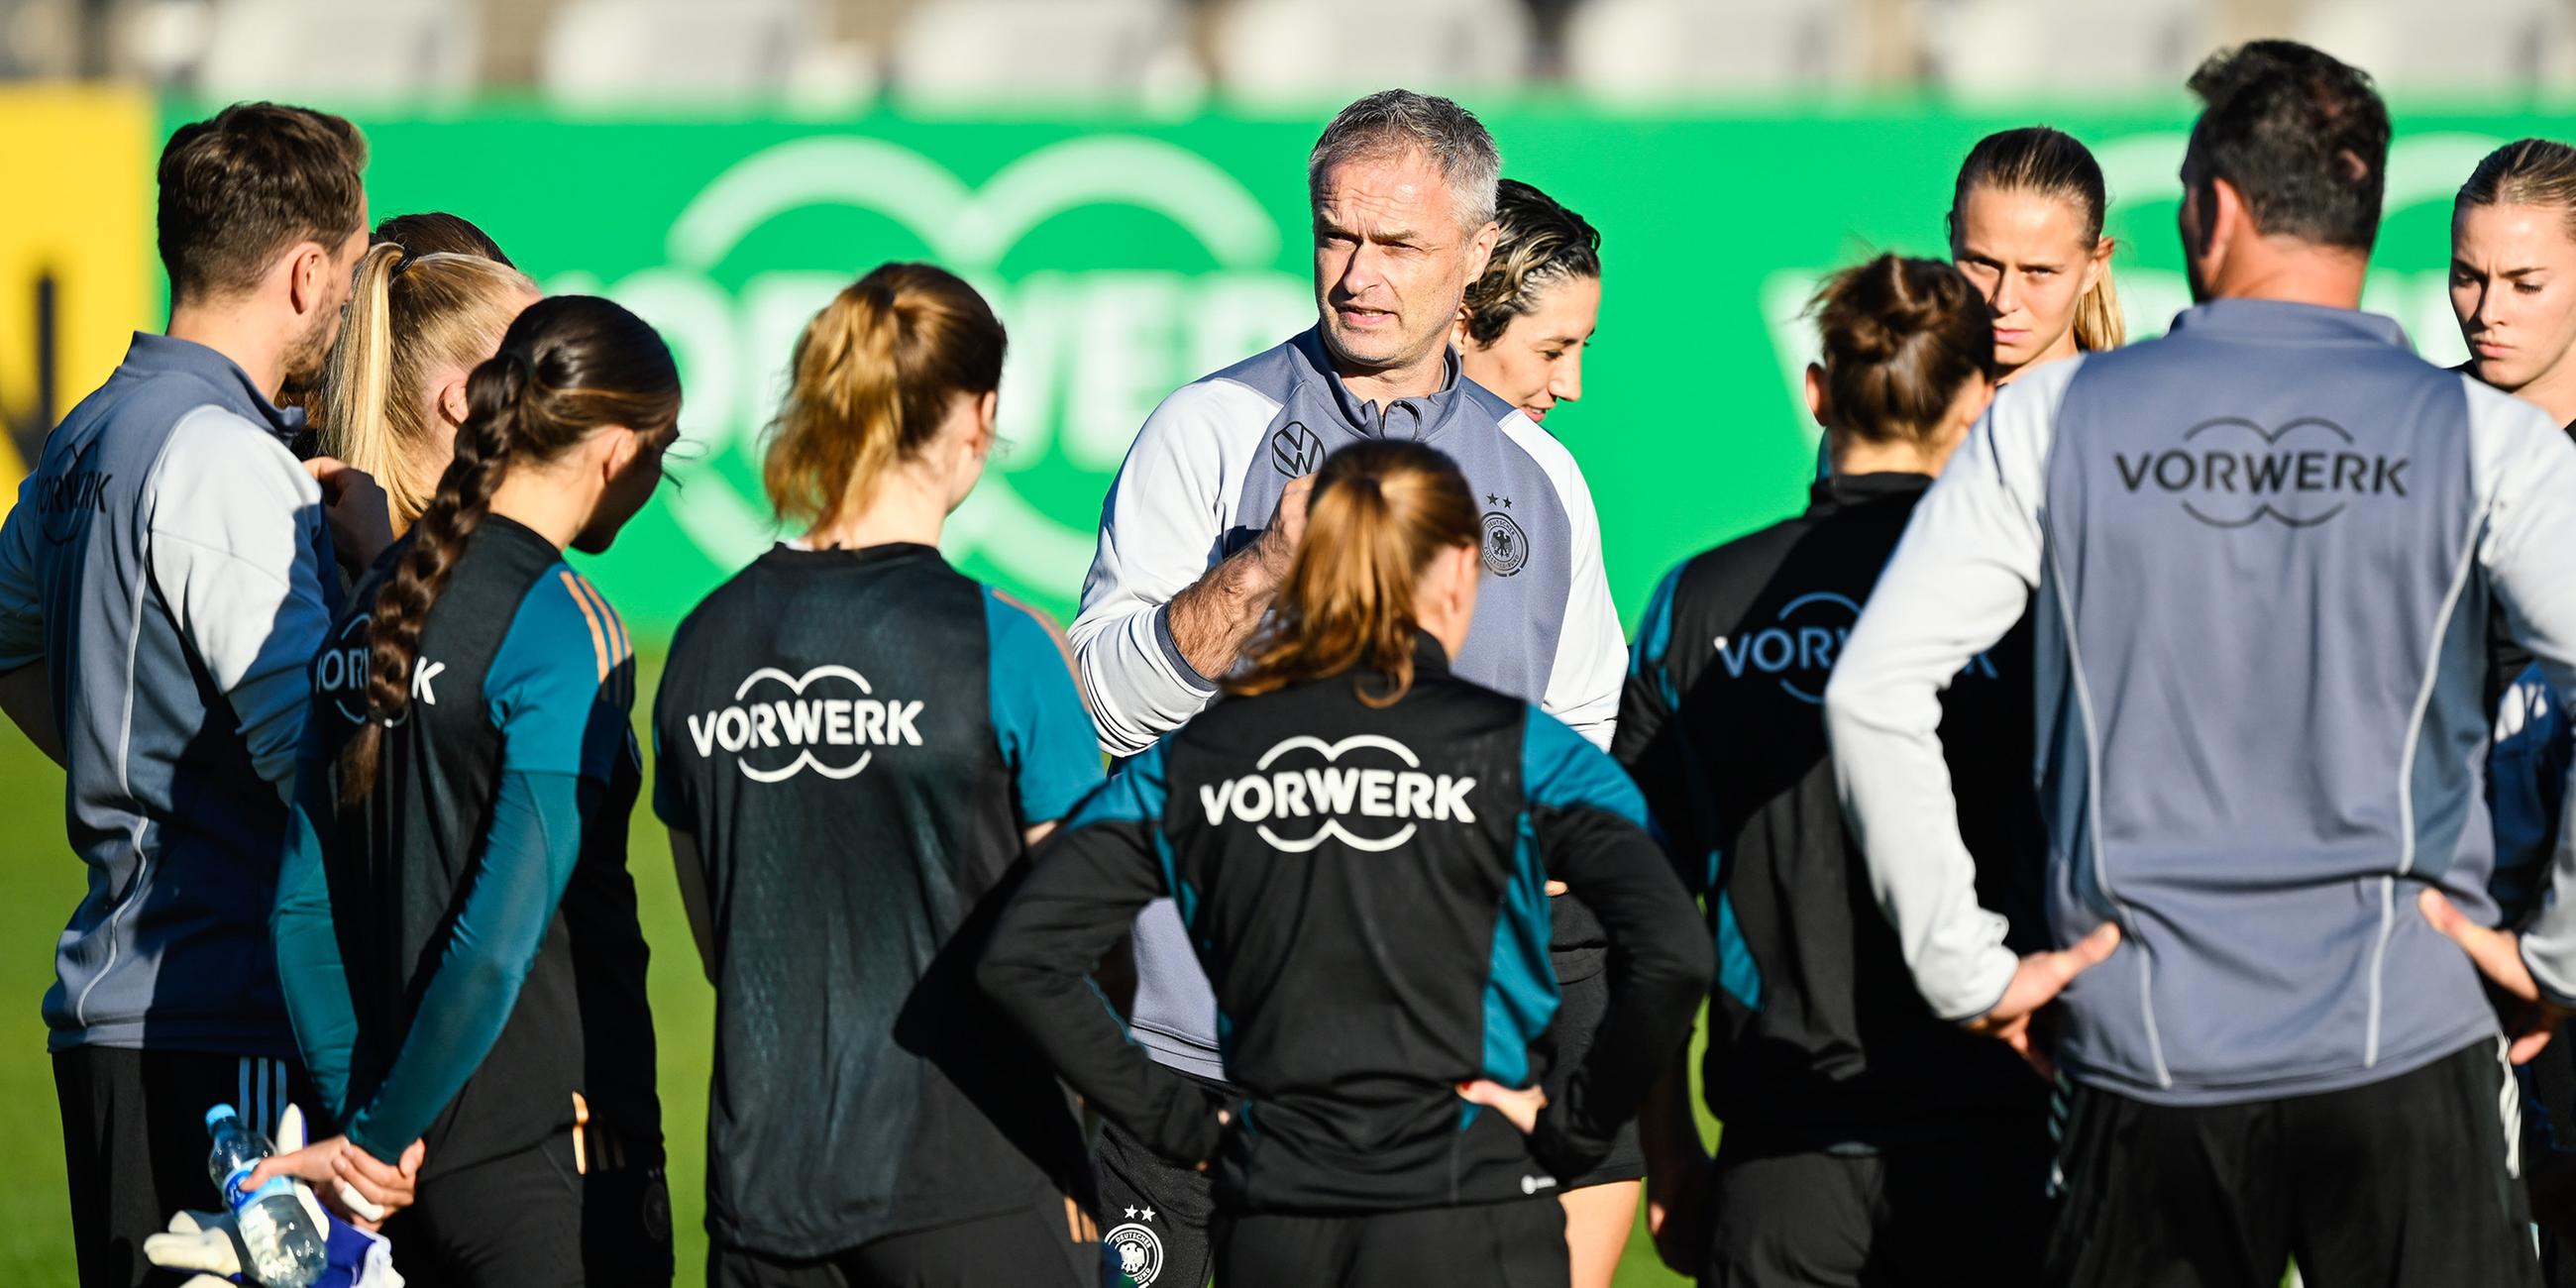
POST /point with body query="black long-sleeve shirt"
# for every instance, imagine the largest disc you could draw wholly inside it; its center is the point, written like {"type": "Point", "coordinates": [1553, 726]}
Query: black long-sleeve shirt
{"type": "Point", "coordinates": [1817, 1036]}
{"type": "Point", "coordinates": [1367, 889]}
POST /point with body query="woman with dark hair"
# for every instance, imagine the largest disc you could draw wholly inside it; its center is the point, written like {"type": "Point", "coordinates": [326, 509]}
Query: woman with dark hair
{"type": "Point", "coordinates": [1360, 844]}
{"type": "Point", "coordinates": [1525, 323]}
{"type": "Point", "coordinates": [927, 731]}
{"type": "Point", "coordinates": [1867, 1140]}
{"type": "Point", "coordinates": [456, 931]}
{"type": "Point", "coordinates": [2026, 227]}
{"type": "Point", "coordinates": [1522, 333]}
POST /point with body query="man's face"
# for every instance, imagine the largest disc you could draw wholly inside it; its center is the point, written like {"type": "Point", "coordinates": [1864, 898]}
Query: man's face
{"type": "Point", "coordinates": [1391, 262]}
{"type": "Point", "coordinates": [311, 348]}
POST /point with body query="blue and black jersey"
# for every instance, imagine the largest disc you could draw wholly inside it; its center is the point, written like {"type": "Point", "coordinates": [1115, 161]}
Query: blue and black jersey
{"type": "Point", "coordinates": [1817, 1037]}
{"type": "Point", "coordinates": [1366, 887]}
{"type": "Point", "coordinates": [857, 742]}
{"type": "Point", "coordinates": [460, 947]}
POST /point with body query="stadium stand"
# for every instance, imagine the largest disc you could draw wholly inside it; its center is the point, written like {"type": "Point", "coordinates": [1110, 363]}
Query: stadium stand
{"type": "Point", "coordinates": [387, 50]}
{"type": "Point", "coordinates": [1646, 51]}
{"type": "Point", "coordinates": [1072, 52]}
{"type": "Point", "coordinates": [1161, 56]}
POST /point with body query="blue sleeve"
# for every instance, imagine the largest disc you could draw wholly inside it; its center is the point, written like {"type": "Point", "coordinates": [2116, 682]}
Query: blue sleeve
{"type": "Point", "coordinates": [2526, 787]}
{"type": "Point", "coordinates": [559, 685]}
{"type": "Point", "coordinates": [1046, 736]}
{"type": "Point", "coordinates": [309, 968]}
{"type": "Point", "coordinates": [1650, 742]}
{"type": "Point", "coordinates": [1560, 770]}
{"type": "Point", "coordinates": [515, 885]}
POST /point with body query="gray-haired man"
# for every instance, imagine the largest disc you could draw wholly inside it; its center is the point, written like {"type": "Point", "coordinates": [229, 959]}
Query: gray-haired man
{"type": "Point", "coordinates": [1207, 509]}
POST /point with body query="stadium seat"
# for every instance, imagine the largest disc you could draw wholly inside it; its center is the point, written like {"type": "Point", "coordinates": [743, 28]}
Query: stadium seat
{"type": "Point", "coordinates": [605, 53]}
{"type": "Point", "coordinates": [965, 53]}
{"type": "Point", "coordinates": [1651, 51]}
{"type": "Point", "coordinates": [2481, 46]}
{"type": "Point", "coordinates": [2037, 51]}
{"type": "Point", "coordinates": [1303, 53]}
{"type": "Point", "coordinates": [334, 51]}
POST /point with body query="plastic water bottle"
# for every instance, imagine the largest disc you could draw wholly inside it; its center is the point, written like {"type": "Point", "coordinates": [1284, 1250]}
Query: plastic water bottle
{"type": "Point", "coordinates": [286, 1251]}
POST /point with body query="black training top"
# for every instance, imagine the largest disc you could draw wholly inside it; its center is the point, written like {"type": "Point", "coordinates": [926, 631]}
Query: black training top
{"type": "Point", "coordinates": [1817, 1035]}
{"type": "Point", "coordinates": [857, 741]}
{"type": "Point", "coordinates": [1366, 888]}
{"type": "Point", "coordinates": [460, 948]}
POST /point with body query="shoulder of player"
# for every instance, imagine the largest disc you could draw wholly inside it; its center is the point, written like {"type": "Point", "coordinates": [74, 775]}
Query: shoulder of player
{"type": "Point", "coordinates": [1023, 630]}
{"type": "Point", "coordinates": [218, 456]}
{"type": "Point", "coordinates": [1552, 457]}
{"type": "Point", "coordinates": [563, 623]}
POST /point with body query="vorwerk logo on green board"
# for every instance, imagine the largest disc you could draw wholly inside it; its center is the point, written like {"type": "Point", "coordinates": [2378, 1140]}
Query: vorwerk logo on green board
{"type": "Point", "coordinates": [1093, 349]}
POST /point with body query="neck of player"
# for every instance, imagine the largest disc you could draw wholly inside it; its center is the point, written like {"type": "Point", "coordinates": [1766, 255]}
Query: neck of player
{"type": "Point", "coordinates": [547, 503]}
{"type": "Point", "coordinates": [906, 508]}
{"type": "Point", "coordinates": [1415, 379]}
{"type": "Point", "coordinates": [257, 348]}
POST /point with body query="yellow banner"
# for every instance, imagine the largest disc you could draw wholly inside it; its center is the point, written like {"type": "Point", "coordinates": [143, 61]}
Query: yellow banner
{"type": "Point", "coordinates": [79, 161]}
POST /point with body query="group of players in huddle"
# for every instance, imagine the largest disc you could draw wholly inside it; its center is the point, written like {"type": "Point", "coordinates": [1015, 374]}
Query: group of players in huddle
{"type": "Point", "coordinates": [2155, 749]}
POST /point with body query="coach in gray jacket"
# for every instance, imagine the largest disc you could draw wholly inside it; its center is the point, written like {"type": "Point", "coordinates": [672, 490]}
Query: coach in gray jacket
{"type": "Point", "coordinates": [2261, 552]}
{"type": "Point", "coordinates": [165, 577]}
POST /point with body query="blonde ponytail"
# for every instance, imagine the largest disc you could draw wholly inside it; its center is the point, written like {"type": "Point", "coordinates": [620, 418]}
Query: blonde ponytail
{"type": "Point", "coordinates": [409, 317]}
{"type": "Point", "coordinates": [1379, 512]}
{"type": "Point", "coordinates": [870, 384]}
{"type": "Point", "coordinates": [2098, 323]}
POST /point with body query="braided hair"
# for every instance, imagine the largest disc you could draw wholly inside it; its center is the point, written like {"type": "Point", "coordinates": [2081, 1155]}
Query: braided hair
{"type": "Point", "coordinates": [568, 366]}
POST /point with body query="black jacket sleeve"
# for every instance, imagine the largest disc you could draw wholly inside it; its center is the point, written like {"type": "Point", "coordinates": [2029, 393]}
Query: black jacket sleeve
{"type": "Point", "coordinates": [1588, 821]}
{"type": "Point", "coordinates": [1083, 892]}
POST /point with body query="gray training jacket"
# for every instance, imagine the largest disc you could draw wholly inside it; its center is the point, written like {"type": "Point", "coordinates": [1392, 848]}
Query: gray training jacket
{"type": "Point", "coordinates": [1201, 482]}
{"type": "Point", "coordinates": [2261, 553]}
{"type": "Point", "coordinates": [168, 560]}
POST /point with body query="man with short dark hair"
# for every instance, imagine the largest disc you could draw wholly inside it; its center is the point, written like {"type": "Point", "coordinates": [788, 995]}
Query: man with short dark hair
{"type": "Point", "coordinates": [2261, 553]}
{"type": "Point", "coordinates": [164, 580]}
{"type": "Point", "coordinates": [1197, 533]}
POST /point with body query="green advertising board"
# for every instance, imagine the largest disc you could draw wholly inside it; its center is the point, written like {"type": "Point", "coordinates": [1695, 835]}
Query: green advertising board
{"type": "Point", "coordinates": [1128, 258]}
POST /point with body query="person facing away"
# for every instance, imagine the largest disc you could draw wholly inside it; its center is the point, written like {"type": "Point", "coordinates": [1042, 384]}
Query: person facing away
{"type": "Point", "coordinates": [394, 394]}
{"type": "Point", "coordinates": [1864, 1136]}
{"type": "Point", "coordinates": [432, 232]}
{"type": "Point", "coordinates": [1359, 841]}
{"type": "Point", "coordinates": [1521, 334]}
{"type": "Point", "coordinates": [2513, 288]}
{"type": "Point", "coordinates": [455, 923]}
{"type": "Point", "coordinates": [855, 746]}
{"type": "Point", "coordinates": [164, 578]}
{"type": "Point", "coordinates": [1197, 531]}
{"type": "Point", "coordinates": [2259, 555]}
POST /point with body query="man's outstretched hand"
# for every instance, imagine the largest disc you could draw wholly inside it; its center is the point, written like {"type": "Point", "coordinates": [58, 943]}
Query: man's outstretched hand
{"type": "Point", "coordinates": [2498, 956]}
{"type": "Point", "coordinates": [2036, 983]}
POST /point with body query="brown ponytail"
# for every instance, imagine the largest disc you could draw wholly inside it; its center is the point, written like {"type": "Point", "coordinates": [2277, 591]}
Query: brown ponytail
{"type": "Point", "coordinates": [872, 381]}
{"type": "Point", "coordinates": [1900, 338]}
{"type": "Point", "coordinates": [1379, 512]}
{"type": "Point", "coordinates": [2050, 163]}
{"type": "Point", "coordinates": [567, 367]}
{"type": "Point", "coordinates": [409, 315]}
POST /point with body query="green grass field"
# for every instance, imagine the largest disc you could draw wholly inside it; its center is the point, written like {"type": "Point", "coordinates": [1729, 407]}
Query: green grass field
{"type": "Point", "coordinates": [39, 884]}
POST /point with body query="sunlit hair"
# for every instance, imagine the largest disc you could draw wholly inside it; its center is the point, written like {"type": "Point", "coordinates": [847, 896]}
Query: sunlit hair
{"type": "Point", "coordinates": [1901, 337]}
{"type": "Point", "coordinates": [568, 367]}
{"type": "Point", "coordinates": [2525, 172]}
{"type": "Point", "coordinates": [872, 381]}
{"type": "Point", "coordinates": [409, 317]}
{"type": "Point", "coordinates": [1542, 244]}
{"type": "Point", "coordinates": [1392, 122]}
{"type": "Point", "coordinates": [2050, 163]}
{"type": "Point", "coordinates": [1379, 512]}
